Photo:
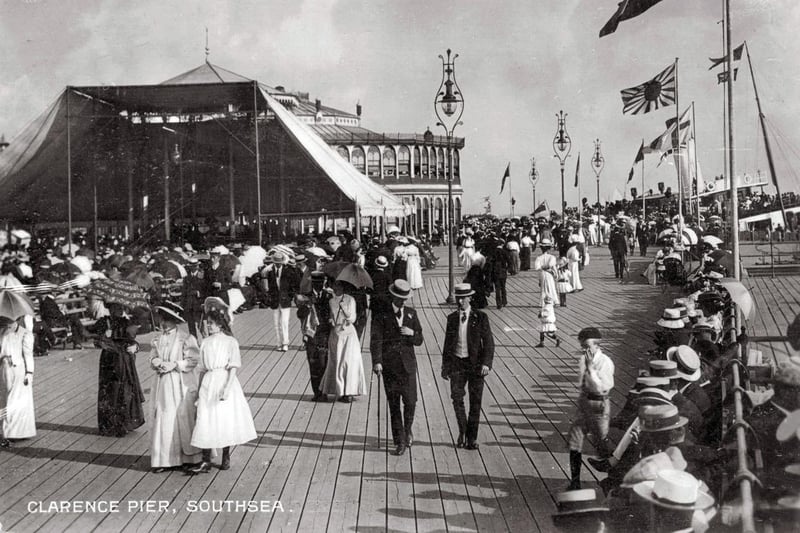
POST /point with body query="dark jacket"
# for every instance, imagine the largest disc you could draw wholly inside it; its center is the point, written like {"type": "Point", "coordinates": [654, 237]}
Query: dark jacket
{"type": "Point", "coordinates": [617, 243]}
{"type": "Point", "coordinates": [222, 275]}
{"type": "Point", "coordinates": [476, 277]}
{"type": "Point", "coordinates": [380, 301]}
{"type": "Point", "coordinates": [500, 263]}
{"type": "Point", "coordinates": [480, 341]}
{"type": "Point", "coordinates": [392, 350]}
{"type": "Point", "coordinates": [281, 294]}
{"type": "Point", "coordinates": [50, 312]}
{"type": "Point", "coordinates": [193, 293]}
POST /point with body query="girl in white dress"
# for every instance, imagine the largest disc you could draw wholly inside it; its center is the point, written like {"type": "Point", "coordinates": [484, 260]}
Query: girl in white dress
{"type": "Point", "coordinates": [223, 415]}
{"type": "Point", "coordinates": [16, 382]}
{"type": "Point", "coordinates": [344, 374]}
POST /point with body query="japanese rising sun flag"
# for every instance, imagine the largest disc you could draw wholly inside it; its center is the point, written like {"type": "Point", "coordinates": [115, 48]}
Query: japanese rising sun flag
{"type": "Point", "coordinates": [654, 94]}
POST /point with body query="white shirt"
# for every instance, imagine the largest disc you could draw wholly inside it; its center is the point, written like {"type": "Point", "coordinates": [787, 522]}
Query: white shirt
{"type": "Point", "coordinates": [599, 377]}
{"type": "Point", "coordinates": [461, 345]}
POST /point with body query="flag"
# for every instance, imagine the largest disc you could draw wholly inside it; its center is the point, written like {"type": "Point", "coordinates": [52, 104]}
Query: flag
{"type": "Point", "coordinates": [639, 158]}
{"type": "Point", "coordinates": [670, 137]}
{"type": "Point", "coordinates": [722, 77]}
{"type": "Point", "coordinates": [737, 55]}
{"type": "Point", "coordinates": [627, 9]}
{"type": "Point", "coordinates": [542, 208]}
{"type": "Point", "coordinates": [653, 94]}
{"type": "Point", "coordinates": [577, 169]}
{"type": "Point", "coordinates": [506, 175]}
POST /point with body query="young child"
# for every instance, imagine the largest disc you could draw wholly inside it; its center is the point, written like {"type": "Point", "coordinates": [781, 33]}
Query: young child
{"type": "Point", "coordinates": [563, 280]}
{"type": "Point", "coordinates": [548, 327]}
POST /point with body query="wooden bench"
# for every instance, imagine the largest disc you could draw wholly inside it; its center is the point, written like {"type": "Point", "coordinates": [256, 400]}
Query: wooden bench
{"type": "Point", "coordinates": [71, 304]}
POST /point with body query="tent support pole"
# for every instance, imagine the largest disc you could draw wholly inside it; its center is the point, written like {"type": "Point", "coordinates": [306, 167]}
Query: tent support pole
{"type": "Point", "coordinates": [129, 170]}
{"type": "Point", "coordinates": [166, 190]}
{"type": "Point", "coordinates": [230, 188]}
{"type": "Point", "coordinates": [69, 178]}
{"type": "Point", "coordinates": [258, 161]}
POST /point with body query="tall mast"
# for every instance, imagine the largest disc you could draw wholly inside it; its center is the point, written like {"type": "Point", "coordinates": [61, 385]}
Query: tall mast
{"type": "Point", "coordinates": [768, 149]}
{"type": "Point", "coordinates": [734, 191]}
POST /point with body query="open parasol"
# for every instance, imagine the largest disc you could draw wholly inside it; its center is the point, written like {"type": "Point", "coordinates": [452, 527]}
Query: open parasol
{"type": "Point", "coordinates": [334, 268]}
{"type": "Point", "coordinates": [15, 304]}
{"type": "Point", "coordinates": [252, 260]}
{"type": "Point", "coordinates": [723, 258]}
{"type": "Point", "coordinates": [140, 278]}
{"type": "Point", "coordinates": [740, 295]}
{"type": "Point", "coordinates": [355, 276]}
{"type": "Point", "coordinates": [118, 291]}
{"type": "Point", "coordinates": [168, 269]}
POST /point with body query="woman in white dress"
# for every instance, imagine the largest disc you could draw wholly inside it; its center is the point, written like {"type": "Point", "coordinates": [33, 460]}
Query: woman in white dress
{"type": "Point", "coordinates": [174, 355]}
{"type": "Point", "coordinates": [413, 266]}
{"type": "Point", "coordinates": [574, 258]}
{"type": "Point", "coordinates": [223, 415]}
{"type": "Point", "coordinates": [467, 251]}
{"type": "Point", "coordinates": [16, 382]}
{"type": "Point", "coordinates": [344, 373]}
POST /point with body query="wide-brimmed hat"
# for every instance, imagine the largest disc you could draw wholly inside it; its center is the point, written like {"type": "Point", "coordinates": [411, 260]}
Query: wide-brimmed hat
{"type": "Point", "coordinates": [280, 258]}
{"type": "Point", "coordinates": [671, 319]}
{"type": "Point", "coordinates": [674, 489]}
{"type": "Point", "coordinates": [392, 229]}
{"type": "Point", "coordinates": [462, 290]}
{"type": "Point", "coordinates": [589, 333]}
{"type": "Point", "coordinates": [401, 289]}
{"type": "Point", "coordinates": [574, 502]}
{"type": "Point", "coordinates": [648, 468]}
{"type": "Point", "coordinates": [170, 311]}
{"type": "Point", "coordinates": [318, 275]}
{"type": "Point", "coordinates": [545, 242]}
{"type": "Point", "coordinates": [657, 418]}
{"type": "Point", "coordinates": [687, 361]}
{"type": "Point", "coordinates": [381, 262]}
{"type": "Point", "coordinates": [661, 368]}
{"type": "Point", "coordinates": [220, 249]}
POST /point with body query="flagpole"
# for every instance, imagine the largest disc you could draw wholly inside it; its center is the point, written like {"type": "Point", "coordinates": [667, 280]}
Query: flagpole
{"type": "Point", "coordinates": [644, 203]}
{"type": "Point", "coordinates": [578, 181]}
{"type": "Point", "coordinates": [677, 140]}
{"type": "Point", "coordinates": [696, 173]}
{"type": "Point", "coordinates": [510, 197]}
{"type": "Point", "coordinates": [734, 199]}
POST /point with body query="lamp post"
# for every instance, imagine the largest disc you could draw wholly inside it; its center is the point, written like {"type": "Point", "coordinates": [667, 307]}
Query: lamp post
{"type": "Point", "coordinates": [598, 162]}
{"type": "Point", "coordinates": [449, 106]}
{"type": "Point", "coordinates": [562, 144]}
{"type": "Point", "coordinates": [533, 175]}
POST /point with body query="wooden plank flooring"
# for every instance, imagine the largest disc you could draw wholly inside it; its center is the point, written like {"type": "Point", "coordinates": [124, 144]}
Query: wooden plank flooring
{"type": "Point", "coordinates": [322, 465]}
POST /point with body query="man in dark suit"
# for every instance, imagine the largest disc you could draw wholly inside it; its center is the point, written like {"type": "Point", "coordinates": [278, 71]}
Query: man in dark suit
{"type": "Point", "coordinates": [193, 294]}
{"type": "Point", "coordinates": [500, 264]}
{"type": "Point", "coordinates": [395, 332]}
{"type": "Point", "coordinates": [380, 300]}
{"type": "Point", "coordinates": [218, 277]}
{"type": "Point", "coordinates": [282, 285]}
{"type": "Point", "coordinates": [466, 360]}
{"type": "Point", "coordinates": [314, 314]}
{"type": "Point", "coordinates": [619, 249]}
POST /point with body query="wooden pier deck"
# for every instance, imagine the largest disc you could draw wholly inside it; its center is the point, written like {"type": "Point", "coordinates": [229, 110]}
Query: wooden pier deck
{"type": "Point", "coordinates": [320, 466]}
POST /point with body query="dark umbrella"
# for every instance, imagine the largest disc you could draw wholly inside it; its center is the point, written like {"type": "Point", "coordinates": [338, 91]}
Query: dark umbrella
{"type": "Point", "coordinates": [334, 268]}
{"type": "Point", "coordinates": [86, 252]}
{"type": "Point", "coordinates": [723, 258]}
{"type": "Point", "coordinates": [118, 291]}
{"type": "Point", "coordinates": [167, 269]}
{"type": "Point", "coordinates": [15, 304]}
{"type": "Point", "coordinates": [355, 275]}
{"type": "Point", "coordinates": [66, 268]}
{"type": "Point", "coordinates": [141, 278]}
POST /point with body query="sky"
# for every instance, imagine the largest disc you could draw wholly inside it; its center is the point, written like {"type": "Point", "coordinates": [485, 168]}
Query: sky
{"type": "Point", "coordinates": [519, 63]}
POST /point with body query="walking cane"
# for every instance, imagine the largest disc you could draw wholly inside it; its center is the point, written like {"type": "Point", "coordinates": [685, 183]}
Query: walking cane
{"type": "Point", "coordinates": [379, 409]}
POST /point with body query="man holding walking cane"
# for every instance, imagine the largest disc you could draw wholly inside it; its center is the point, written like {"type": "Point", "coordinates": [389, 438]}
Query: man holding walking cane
{"type": "Point", "coordinates": [395, 332]}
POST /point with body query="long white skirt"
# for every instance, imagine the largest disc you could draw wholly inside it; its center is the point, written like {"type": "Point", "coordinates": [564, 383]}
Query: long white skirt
{"type": "Point", "coordinates": [344, 374]}
{"type": "Point", "coordinates": [575, 272]}
{"type": "Point", "coordinates": [16, 400]}
{"type": "Point", "coordinates": [222, 423]}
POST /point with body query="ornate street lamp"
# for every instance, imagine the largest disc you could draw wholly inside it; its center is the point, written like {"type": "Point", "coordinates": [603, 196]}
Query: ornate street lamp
{"type": "Point", "coordinates": [562, 144]}
{"type": "Point", "coordinates": [533, 175]}
{"type": "Point", "coordinates": [598, 162]}
{"type": "Point", "coordinates": [449, 106]}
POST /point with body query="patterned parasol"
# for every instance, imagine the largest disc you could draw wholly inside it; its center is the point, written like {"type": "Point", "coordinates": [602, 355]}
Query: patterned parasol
{"type": "Point", "coordinates": [117, 291]}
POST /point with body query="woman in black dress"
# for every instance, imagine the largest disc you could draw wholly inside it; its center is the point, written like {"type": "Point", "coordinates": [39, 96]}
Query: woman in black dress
{"type": "Point", "coordinates": [119, 393]}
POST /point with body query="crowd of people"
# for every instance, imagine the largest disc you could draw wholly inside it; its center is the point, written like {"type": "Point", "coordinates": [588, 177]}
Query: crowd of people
{"type": "Point", "coordinates": [663, 451]}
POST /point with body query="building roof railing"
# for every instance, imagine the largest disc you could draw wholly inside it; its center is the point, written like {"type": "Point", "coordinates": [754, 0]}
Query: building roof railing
{"type": "Point", "coordinates": [388, 138]}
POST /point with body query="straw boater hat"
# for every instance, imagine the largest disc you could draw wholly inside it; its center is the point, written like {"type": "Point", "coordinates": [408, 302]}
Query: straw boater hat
{"type": "Point", "coordinates": [463, 290]}
{"type": "Point", "coordinates": [392, 229]}
{"type": "Point", "coordinates": [170, 311]}
{"type": "Point", "coordinates": [674, 489]}
{"type": "Point", "coordinates": [663, 369]}
{"type": "Point", "coordinates": [280, 258]}
{"type": "Point", "coordinates": [687, 361]}
{"type": "Point", "coordinates": [545, 243]}
{"type": "Point", "coordinates": [648, 468]}
{"type": "Point", "coordinates": [401, 289]}
{"type": "Point", "coordinates": [574, 502]}
{"type": "Point", "coordinates": [381, 262]}
{"type": "Point", "coordinates": [671, 319]}
{"type": "Point", "coordinates": [658, 418]}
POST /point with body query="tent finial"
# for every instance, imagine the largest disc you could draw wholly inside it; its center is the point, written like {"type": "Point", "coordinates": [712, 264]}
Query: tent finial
{"type": "Point", "coordinates": [207, 50]}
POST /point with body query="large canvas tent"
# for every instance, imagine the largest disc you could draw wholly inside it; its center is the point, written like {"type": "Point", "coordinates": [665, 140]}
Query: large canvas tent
{"type": "Point", "coordinates": [136, 153]}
